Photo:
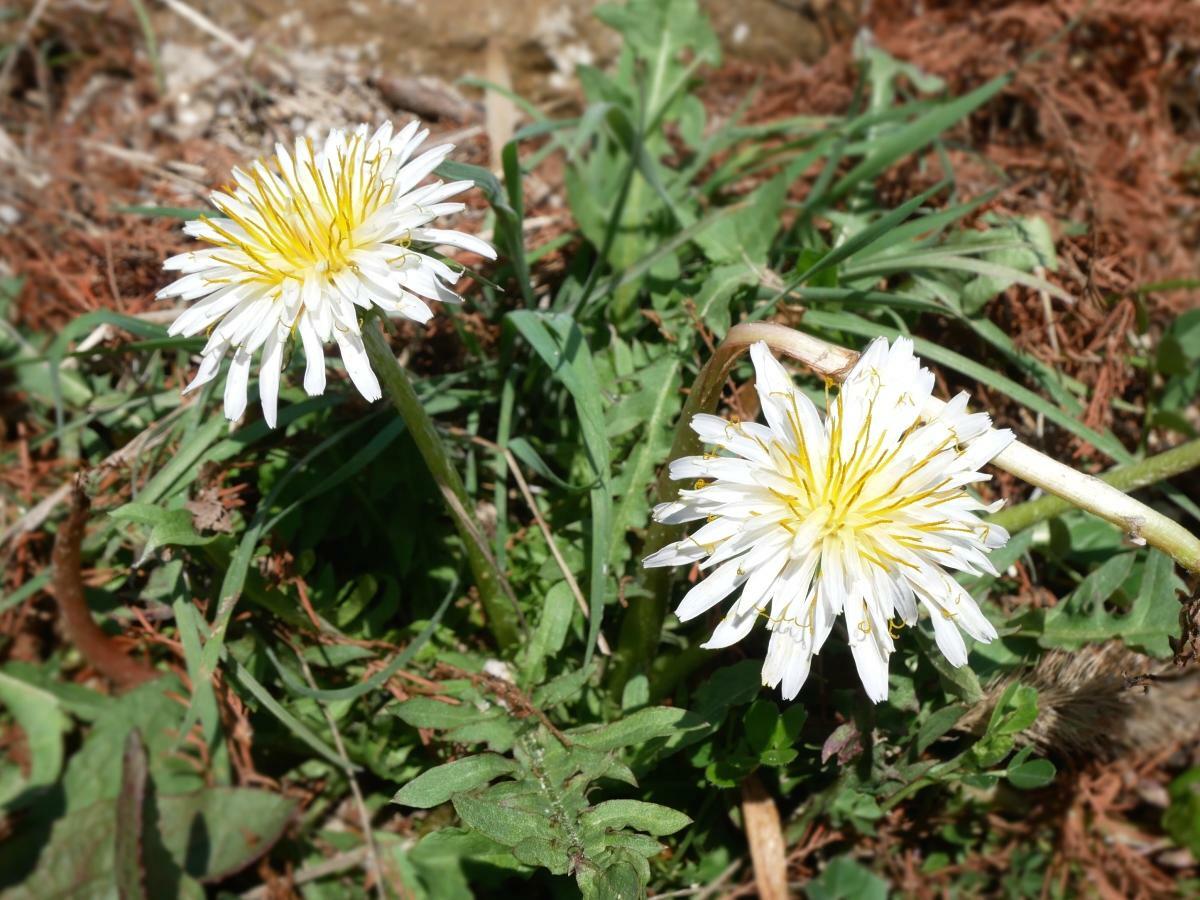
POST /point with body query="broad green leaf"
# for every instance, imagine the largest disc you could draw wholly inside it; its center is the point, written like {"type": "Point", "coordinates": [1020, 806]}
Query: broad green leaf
{"type": "Point", "coordinates": [500, 821]}
{"type": "Point", "coordinates": [93, 772]}
{"type": "Point", "coordinates": [721, 284]}
{"type": "Point", "coordinates": [44, 724]}
{"type": "Point", "coordinates": [649, 817]}
{"type": "Point", "coordinates": [1031, 774]}
{"type": "Point", "coordinates": [746, 236]}
{"type": "Point", "coordinates": [437, 785]}
{"type": "Point", "coordinates": [1083, 616]}
{"type": "Point", "coordinates": [759, 724]}
{"type": "Point", "coordinates": [548, 854]}
{"type": "Point", "coordinates": [440, 856]}
{"type": "Point", "coordinates": [846, 879]}
{"type": "Point", "coordinates": [637, 728]}
{"type": "Point", "coordinates": [562, 689]}
{"type": "Point", "coordinates": [425, 712]}
{"type": "Point", "coordinates": [202, 836]}
{"type": "Point", "coordinates": [218, 831]}
{"type": "Point", "coordinates": [165, 527]}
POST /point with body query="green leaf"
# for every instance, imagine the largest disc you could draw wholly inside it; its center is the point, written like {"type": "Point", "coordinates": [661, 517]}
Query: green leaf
{"type": "Point", "coordinates": [654, 406]}
{"type": "Point", "coordinates": [551, 632]}
{"type": "Point", "coordinates": [1015, 711]}
{"type": "Point", "coordinates": [166, 527]}
{"type": "Point", "coordinates": [502, 822]}
{"type": "Point", "coordinates": [44, 724]}
{"type": "Point", "coordinates": [845, 879]}
{"type": "Point", "coordinates": [563, 688]}
{"type": "Point", "coordinates": [94, 770]}
{"type": "Point", "coordinates": [649, 817]}
{"type": "Point", "coordinates": [498, 733]}
{"type": "Point", "coordinates": [662, 28]}
{"type": "Point", "coordinates": [425, 712]}
{"type": "Point", "coordinates": [218, 831]}
{"type": "Point", "coordinates": [720, 285]}
{"type": "Point", "coordinates": [548, 854]}
{"type": "Point", "coordinates": [859, 241]}
{"type": "Point", "coordinates": [202, 836]}
{"type": "Point", "coordinates": [759, 724]}
{"type": "Point", "coordinates": [643, 725]}
{"type": "Point", "coordinates": [938, 723]}
{"type": "Point", "coordinates": [746, 236]}
{"type": "Point", "coordinates": [437, 785]}
{"type": "Point", "coordinates": [1083, 616]}
{"type": "Point", "coordinates": [1182, 817]}
{"type": "Point", "coordinates": [617, 882]}
{"type": "Point", "coordinates": [961, 681]}
{"type": "Point", "coordinates": [1031, 774]}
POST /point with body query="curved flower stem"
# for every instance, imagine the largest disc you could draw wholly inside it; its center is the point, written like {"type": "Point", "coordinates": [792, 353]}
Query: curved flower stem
{"type": "Point", "coordinates": [1124, 478]}
{"type": "Point", "coordinates": [499, 603]}
{"type": "Point", "coordinates": [642, 624]}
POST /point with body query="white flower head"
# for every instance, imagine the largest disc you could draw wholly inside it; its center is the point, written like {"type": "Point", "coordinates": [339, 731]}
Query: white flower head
{"type": "Point", "coordinates": [859, 514]}
{"type": "Point", "coordinates": [303, 243]}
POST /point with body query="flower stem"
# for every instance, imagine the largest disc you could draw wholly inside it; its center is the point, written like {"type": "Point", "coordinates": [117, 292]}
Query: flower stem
{"type": "Point", "coordinates": [642, 625]}
{"type": "Point", "coordinates": [1124, 478]}
{"type": "Point", "coordinates": [499, 603]}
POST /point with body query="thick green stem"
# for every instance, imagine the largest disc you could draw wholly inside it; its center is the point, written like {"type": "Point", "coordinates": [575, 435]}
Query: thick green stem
{"type": "Point", "coordinates": [499, 603]}
{"type": "Point", "coordinates": [642, 625]}
{"type": "Point", "coordinates": [1124, 478]}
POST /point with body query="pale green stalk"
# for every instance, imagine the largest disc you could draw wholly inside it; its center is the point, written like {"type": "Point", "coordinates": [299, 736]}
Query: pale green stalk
{"type": "Point", "coordinates": [1124, 478]}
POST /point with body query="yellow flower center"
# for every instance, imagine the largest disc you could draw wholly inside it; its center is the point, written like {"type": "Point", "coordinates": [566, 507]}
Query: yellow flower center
{"type": "Point", "coordinates": [306, 224]}
{"type": "Point", "coordinates": [845, 502]}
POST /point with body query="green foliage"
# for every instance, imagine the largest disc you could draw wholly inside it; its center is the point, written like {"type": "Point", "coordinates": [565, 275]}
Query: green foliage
{"type": "Point", "coordinates": [1182, 817]}
{"type": "Point", "coordinates": [1152, 617]}
{"type": "Point", "coordinates": [845, 879]}
{"type": "Point", "coordinates": [541, 807]}
{"type": "Point", "coordinates": [767, 738]}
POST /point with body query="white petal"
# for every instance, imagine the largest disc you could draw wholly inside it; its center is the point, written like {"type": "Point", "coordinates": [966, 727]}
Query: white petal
{"type": "Point", "coordinates": [711, 590]}
{"type": "Point", "coordinates": [949, 640]}
{"type": "Point", "coordinates": [732, 629]}
{"type": "Point", "coordinates": [354, 355]}
{"type": "Point", "coordinates": [210, 364]}
{"type": "Point", "coordinates": [268, 375]}
{"type": "Point", "coordinates": [236, 385]}
{"type": "Point", "coordinates": [441, 236]}
{"type": "Point", "coordinates": [314, 358]}
{"type": "Point", "coordinates": [678, 554]}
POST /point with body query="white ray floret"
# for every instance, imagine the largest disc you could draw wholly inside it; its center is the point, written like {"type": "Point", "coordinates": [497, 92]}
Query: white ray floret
{"type": "Point", "coordinates": [859, 513]}
{"type": "Point", "coordinates": [304, 244]}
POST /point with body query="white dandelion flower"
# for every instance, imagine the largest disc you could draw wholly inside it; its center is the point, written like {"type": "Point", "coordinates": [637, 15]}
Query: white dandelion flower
{"type": "Point", "coordinates": [303, 245]}
{"type": "Point", "coordinates": [859, 514]}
